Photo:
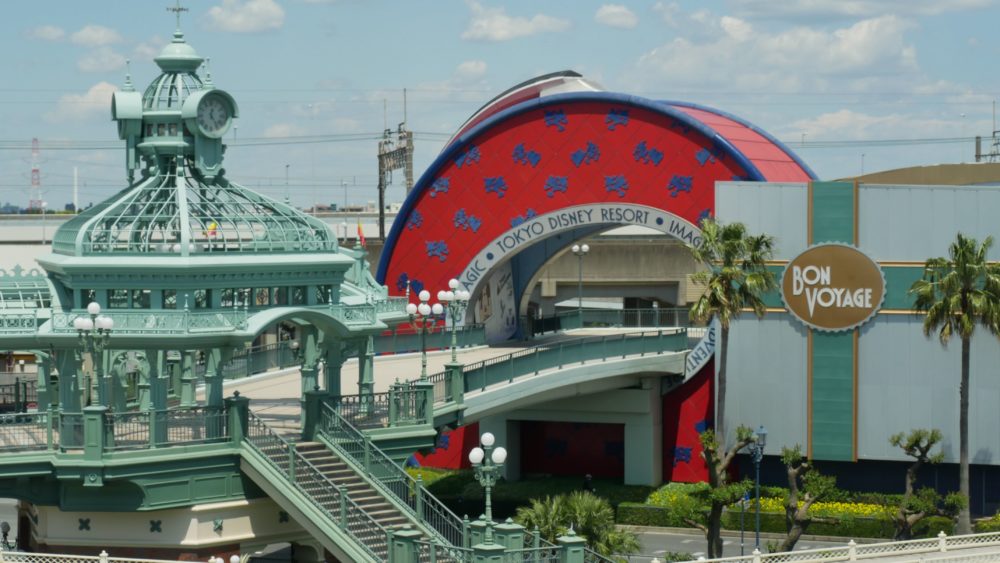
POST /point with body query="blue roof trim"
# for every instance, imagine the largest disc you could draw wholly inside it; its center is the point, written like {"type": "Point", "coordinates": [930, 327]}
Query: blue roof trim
{"type": "Point", "coordinates": [459, 144]}
{"type": "Point", "coordinates": [753, 128]}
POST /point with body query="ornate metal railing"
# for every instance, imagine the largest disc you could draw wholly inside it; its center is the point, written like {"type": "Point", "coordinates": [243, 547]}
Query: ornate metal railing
{"type": "Point", "coordinates": [140, 430]}
{"type": "Point", "coordinates": [854, 552]}
{"type": "Point", "coordinates": [404, 404]}
{"type": "Point", "coordinates": [27, 432]}
{"type": "Point", "coordinates": [432, 552]}
{"type": "Point", "coordinates": [389, 478]}
{"type": "Point", "coordinates": [159, 321]}
{"type": "Point", "coordinates": [331, 499]}
{"type": "Point", "coordinates": [33, 557]}
{"type": "Point", "coordinates": [13, 323]}
{"type": "Point", "coordinates": [640, 318]}
{"type": "Point", "coordinates": [391, 305]}
{"type": "Point", "coordinates": [354, 314]}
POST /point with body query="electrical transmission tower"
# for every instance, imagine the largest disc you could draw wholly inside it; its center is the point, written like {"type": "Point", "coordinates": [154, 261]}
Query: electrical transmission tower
{"type": "Point", "coordinates": [395, 152]}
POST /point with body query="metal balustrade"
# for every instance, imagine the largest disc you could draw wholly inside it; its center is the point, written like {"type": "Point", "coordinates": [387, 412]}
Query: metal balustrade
{"type": "Point", "coordinates": [32, 557]}
{"type": "Point", "coordinates": [389, 478]}
{"type": "Point", "coordinates": [429, 552]}
{"type": "Point", "coordinates": [854, 552]}
{"type": "Point", "coordinates": [531, 361]}
{"type": "Point", "coordinates": [592, 318]}
{"type": "Point", "coordinates": [332, 500]}
{"type": "Point", "coordinates": [27, 432]}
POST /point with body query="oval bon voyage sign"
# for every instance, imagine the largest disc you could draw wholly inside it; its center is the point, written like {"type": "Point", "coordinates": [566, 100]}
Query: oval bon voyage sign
{"type": "Point", "coordinates": [833, 287]}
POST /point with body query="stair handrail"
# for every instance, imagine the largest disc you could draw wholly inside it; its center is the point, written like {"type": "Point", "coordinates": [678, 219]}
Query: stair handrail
{"type": "Point", "coordinates": [352, 517]}
{"type": "Point", "coordinates": [389, 478]}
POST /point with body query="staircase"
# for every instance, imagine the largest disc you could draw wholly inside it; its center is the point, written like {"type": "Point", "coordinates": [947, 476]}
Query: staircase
{"type": "Point", "coordinates": [367, 498]}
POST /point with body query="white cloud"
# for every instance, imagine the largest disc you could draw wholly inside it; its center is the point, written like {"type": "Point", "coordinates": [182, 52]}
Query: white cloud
{"type": "Point", "coordinates": [730, 52]}
{"type": "Point", "coordinates": [282, 130]}
{"type": "Point", "coordinates": [47, 33]}
{"type": "Point", "coordinates": [849, 124]}
{"type": "Point", "coordinates": [102, 59]}
{"type": "Point", "coordinates": [247, 16]}
{"type": "Point", "coordinates": [80, 107]}
{"type": "Point", "coordinates": [471, 69]}
{"type": "Point", "coordinates": [821, 9]}
{"type": "Point", "coordinates": [493, 24]}
{"type": "Point", "coordinates": [95, 36]}
{"type": "Point", "coordinates": [148, 49]}
{"type": "Point", "coordinates": [616, 15]}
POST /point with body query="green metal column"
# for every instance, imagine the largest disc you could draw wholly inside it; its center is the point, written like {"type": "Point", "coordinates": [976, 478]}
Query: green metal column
{"type": "Point", "coordinates": [366, 367]}
{"type": "Point", "coordinates": [43, 385]}
{"type": "Point", "coordinates": [331, 368]}
{"type": "Point", "coordinates": [143, 386]}
{"type": "Point", "coordinates": [69, 362]}
{"type": "Point", "coordinates": [188, 380]}
{"type": "Point", "coordinates": [159, 379]}
{"type": "Point", "coordinates": [119, 383]}
{"type": "Point", "coordinates": [309, 348]}
{"type": "Point", "coordinates": [238, 410]}
{"type": "Point", "coordinates": [572, 548]}
{"type": "Point", "coordinates": [213, 378]}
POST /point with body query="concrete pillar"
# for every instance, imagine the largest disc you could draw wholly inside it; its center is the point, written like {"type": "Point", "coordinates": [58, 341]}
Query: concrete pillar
{"type": "Point", "coordinates": [311, 413]}
{"type": "Point", "coordinates": [508, 434]}
{"type": "Point", "coordinates": [238, 410]}
{"type": "Point", "coordinates": [644, 440]}
{"type": "Point", "coordinates": [573, 548]}
{"type": "Point", "coordinates": [509, 534]}
{"type": "Point", "coordinates": [403, 546]}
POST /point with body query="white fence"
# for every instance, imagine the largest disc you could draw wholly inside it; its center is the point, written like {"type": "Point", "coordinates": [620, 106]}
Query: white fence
{"type": "Point", "coordinates": [940, 548]}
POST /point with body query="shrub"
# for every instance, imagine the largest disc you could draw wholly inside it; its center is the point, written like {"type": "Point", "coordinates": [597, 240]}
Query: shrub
{"type": "Point", "coordinates": [985, 525]}
{"type": "Point", "coordinates": [639, 514]}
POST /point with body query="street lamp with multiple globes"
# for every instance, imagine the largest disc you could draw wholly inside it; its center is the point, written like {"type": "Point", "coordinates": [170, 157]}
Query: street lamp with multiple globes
{"type": "Point", "coordinates": [486, 463]}
{"type": "Point", "coordinates": [423, 318]}
{"type": "Point", "coordinates": [580, 250]}
{"type": "Point", "coordinates": [455, 300]}
{"type": "Point", "coordinates": [757, 451]}
{"type": "Point", "coordinates": [95, 332]}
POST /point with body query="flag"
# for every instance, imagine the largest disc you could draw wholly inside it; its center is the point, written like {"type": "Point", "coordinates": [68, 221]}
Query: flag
{"type": "Point", "coordinates": [361, 234]}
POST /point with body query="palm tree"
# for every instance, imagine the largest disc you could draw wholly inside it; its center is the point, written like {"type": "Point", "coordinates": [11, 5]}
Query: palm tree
{"type": "Point", "coordinates": [736, 279]}
{"type": "Point", "coordinates": [590, 517]}
{"type": "Point", "coordinates": [956, 294]}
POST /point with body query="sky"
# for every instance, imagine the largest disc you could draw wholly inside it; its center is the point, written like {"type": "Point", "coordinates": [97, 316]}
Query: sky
{"type": "Point", "coordinates": [851, 86]}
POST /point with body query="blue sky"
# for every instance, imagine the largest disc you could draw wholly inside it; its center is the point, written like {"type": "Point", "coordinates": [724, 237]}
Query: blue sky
{"type": "Point", "coordinates": [826, 76]}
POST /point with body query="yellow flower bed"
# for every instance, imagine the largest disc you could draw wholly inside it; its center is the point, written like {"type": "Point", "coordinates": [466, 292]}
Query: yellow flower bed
{"type": "Point", "coordinates": [831, 509]}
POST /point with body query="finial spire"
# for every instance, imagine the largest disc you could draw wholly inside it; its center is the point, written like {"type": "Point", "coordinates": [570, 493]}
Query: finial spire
{"type": "Point", "coordinates": [208, 71]}
{"type": "Point", "coordinates": [128, 77]}
{"type": "Point", "coordinates": [177, 9]}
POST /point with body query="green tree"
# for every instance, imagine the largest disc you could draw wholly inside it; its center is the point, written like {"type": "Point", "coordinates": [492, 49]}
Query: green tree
{"type": "Point", "coordinates": [916, 505]}
{"type": "Point", "coordinates": [590, 516]}
{"type": "Point", "coordinates": [805, 486]}
{"type": "Point", "coordinates": [722, 493]}
{"type": "Point", "coordinates": [957, 294]}
{"type": "Point", "coordinates": [736, 279]}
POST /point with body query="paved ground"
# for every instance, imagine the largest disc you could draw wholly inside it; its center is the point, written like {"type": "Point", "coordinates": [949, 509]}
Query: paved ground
{"type": "Point", "coordinates": [656, 543]}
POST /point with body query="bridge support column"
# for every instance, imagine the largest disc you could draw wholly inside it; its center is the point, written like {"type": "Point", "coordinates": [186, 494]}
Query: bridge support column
{"type": "Point", "coordinates": [119, 383]}
{"type": "Point", "coordinates": [95, 434]}
{"type": "Point", "coordinates": [334, 361]}
{"type": "Point", "coordinates": [311, 413]}
{"type": "Point", "coordinates": [159, 380]}
{"type": "Point", "coordinates": [70, 406]}
{"type": "Point", "coordinates": [44, 383]}
{"type": "Point", "coordinates": [188, 380]}
{"type": "Point", "coordinates": [366, 367]}
{"type": "Point", "coordinates": [143, 386]}
{"type": "Point", "coordinates": [310, 351]}
{"type": "Point", "coordinates": [215, 358]}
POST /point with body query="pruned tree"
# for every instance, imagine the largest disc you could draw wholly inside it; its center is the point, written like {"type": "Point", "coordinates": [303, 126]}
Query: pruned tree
{"type": "Point", "coordinates": [918, 504]}
{"type": "Point", "coordinates": [722, 493]}
{"type": "Point", "coordinates": [806, 485]}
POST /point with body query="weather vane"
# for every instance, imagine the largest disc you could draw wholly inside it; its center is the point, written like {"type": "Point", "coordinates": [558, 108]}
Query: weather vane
{"type": "Point", "coordinates": [177, 9]}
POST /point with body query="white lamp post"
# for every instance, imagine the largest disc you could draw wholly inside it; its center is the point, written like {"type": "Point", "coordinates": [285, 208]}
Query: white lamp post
{"type": "Point", "coordinates": [95, 332]}
{"type": "Point", "coordinates": [486, 463]}
{"type": "Point", "coordinates": [580, 250]}
{"type": "Point", "coordinates": [455, 300]}
{"type": "Point", "coordinates": [423, 318]}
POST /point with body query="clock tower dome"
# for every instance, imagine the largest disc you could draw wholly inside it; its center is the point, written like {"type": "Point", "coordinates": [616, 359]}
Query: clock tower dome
{"type": "Point", "coordinates": [179, 117]}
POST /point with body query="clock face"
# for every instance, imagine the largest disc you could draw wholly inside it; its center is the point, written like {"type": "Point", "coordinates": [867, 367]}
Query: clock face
{"type": "Point", "coordinates": [213, 115]}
